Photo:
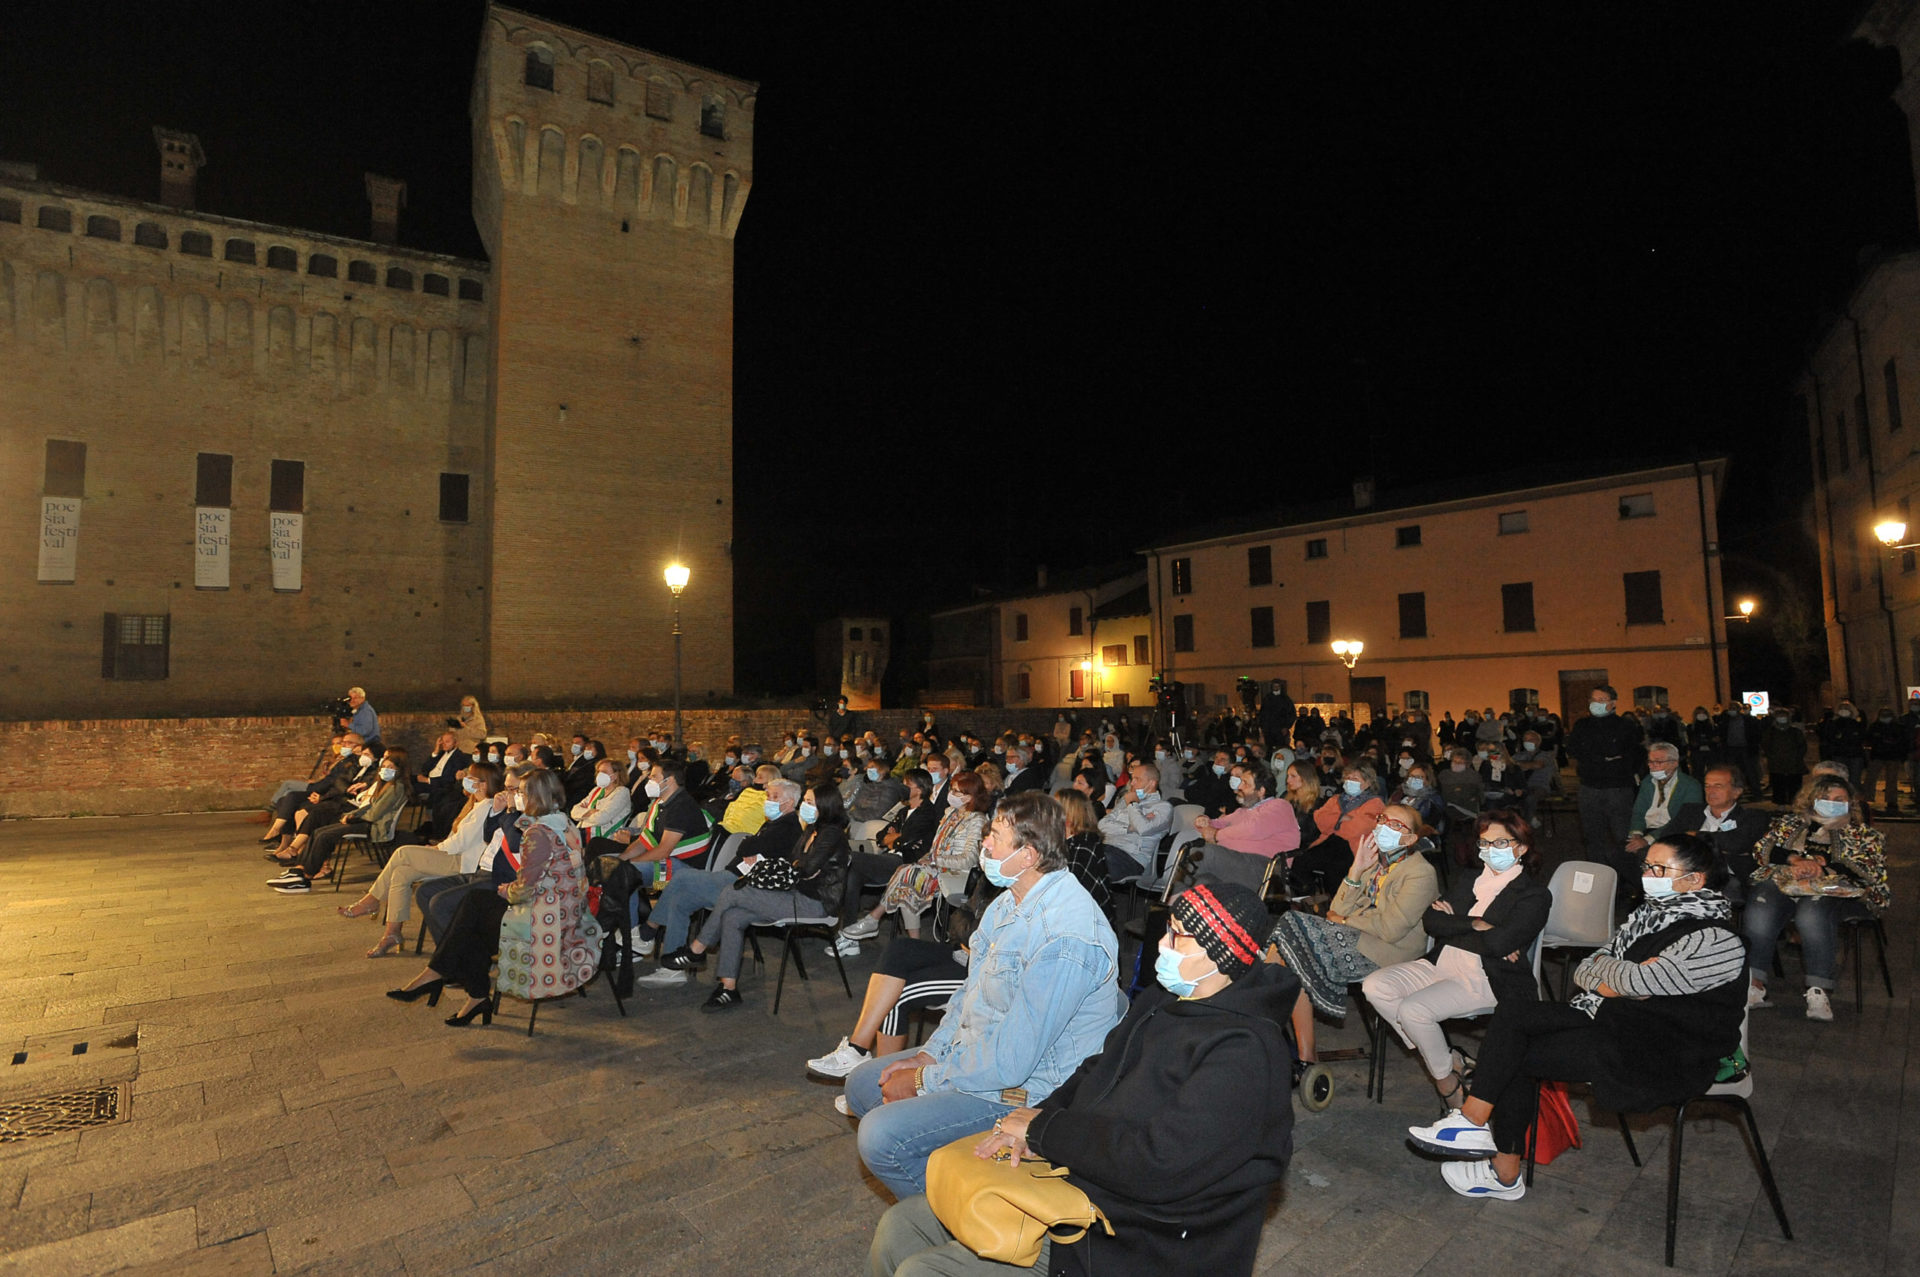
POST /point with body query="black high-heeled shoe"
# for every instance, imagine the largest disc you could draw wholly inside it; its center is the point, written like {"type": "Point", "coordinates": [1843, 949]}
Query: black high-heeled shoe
{"type": "Point", "coordinates": [484, 1010]}
{"type": "Point", "coordinates": [430, 991]}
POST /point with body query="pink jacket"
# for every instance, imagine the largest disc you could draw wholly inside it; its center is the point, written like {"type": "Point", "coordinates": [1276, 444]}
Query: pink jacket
{"type": "Point", "coordinates": [1268, 829]}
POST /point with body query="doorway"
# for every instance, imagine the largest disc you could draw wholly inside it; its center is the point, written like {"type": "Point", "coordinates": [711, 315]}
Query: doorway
{"type": "Point", "coordinates": [1371, 692]}
{"type": "Point", "coordinates": [1575, 686]}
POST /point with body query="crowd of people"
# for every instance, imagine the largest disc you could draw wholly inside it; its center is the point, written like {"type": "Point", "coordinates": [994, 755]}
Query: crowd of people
{"type": "Point", "coordinates": [1398, 860]}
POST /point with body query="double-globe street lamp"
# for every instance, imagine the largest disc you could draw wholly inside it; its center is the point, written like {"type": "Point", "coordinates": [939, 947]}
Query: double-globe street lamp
{"type": "Point", "coordinates": [1348, 650]}
{"type": "Point", "coordinates": [677, 575]}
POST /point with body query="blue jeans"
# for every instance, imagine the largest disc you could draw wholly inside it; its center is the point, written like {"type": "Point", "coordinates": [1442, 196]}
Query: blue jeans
{"type": "Point", "coordinates": [896, 1139]}
{"type": "Point", "coordinates": [688, 892]}
{"type": "Point", "coordinates": [1818, 919]}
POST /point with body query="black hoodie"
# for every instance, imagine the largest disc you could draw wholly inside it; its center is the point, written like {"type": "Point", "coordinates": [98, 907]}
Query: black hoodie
{"type": "Point", "coordinates": [1178, 1128]}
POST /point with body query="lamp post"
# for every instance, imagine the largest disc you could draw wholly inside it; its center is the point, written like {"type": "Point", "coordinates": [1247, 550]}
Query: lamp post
{"type": "Point", "coordinates": [1348, 650]}
{"type": "Point", "coordinates": [676, 581]}
{"type": "Point", "coordinates": [1743, 611]}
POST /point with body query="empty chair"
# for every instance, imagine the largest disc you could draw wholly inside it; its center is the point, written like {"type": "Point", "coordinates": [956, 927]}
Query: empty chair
{"type": "Point", "coordinates": [1582, 915]}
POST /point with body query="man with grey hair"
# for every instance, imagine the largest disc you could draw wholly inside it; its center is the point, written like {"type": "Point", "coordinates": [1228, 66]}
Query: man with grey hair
{"type": "Point", "coordinates": [1665, 791]}
{"type": "Point", "coordinates": [1022, 775]}
{"type": "Point", "coordinates": [691, 890]}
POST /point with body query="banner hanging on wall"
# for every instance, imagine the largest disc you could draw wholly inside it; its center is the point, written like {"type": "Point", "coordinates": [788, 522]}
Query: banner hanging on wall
{"type": "Point", "coordinates": [212, 544]}
{"type": "Point", "coordinates": [287, 533]}
{"type": "Point", "coordinates": [59, 537]}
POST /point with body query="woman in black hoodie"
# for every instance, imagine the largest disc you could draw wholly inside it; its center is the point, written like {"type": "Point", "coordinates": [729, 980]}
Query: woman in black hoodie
{"type": "Point", "coordinates": [1177, 1129]}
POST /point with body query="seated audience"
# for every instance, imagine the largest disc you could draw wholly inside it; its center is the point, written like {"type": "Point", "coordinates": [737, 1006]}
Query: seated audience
{"type": "Point", "coordinates": [458, 853]}
{"type": "Point", "coordinates": [1209, 788]}
{"type": "Point", "coordinates": [1665, 790]}
{"type": "Point", "coordinates": [905, 848]}
{"type": "Point", "coordinates": [439, 785]}
{"type": "Point", "coordinates": [870, 794]}
{"type": "Point", "coordinates": [372, 813]}
{"type": "Point", "coordinates": [675, 828]}
{"type": "Point", "coordinates": [469, 727]}
{"type": "Point", "coordinates": [1131, 831]}
{"type": "Point", "coordinates": [1022, 1021]}
{"type": "Point", "coordinates": [348, 776]}
{"type": "Point", "coordinates": [1660, 1007]}
{"type": "Point", "coordinates": [1539, 769]}
{"type": "Point", "coordinates": [1723, 820]}
{"type": "Point", "coordinates": [1263, 825]}
{"type": "Point", "coordinates": [1418, 790]}
{"type": "Point", "coordinates": [1483, 928]}
{"type": "Point", "coordinates": [747, 810]}
{"type": "Point", "coordinates": [1822, 846]}
{"type": "Point", "coordinates": [913, 975]}
{"type": "Point", "coordinates": [1177, 1129]}
{"type": "Point", "coordinates": [438, 899]}
{"type": "Point", "coordinates": [819, 869]}
{"type": "Point", "coordinates": [955, 850]}
{"type": "Point", "coordinates": [1085, 861]}
{"type": "Point", "coordinates": [1372, 922]}
{"type": "Point", "coordinates": [608, 807]}
{"type": "Point", "coordinates": [1339, 825]}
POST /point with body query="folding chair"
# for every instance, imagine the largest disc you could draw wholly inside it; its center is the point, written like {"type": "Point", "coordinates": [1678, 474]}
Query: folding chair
{"type": "Point", "coordinates": [822, 927]}
{"type": "Point", "coordinates": [1582, 913]}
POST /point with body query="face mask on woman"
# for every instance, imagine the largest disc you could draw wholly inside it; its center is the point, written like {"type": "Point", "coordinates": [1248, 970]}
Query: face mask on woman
{"type": "Point", "coordinates": [956, 801]}
{"type": "Point", "coordinates": [1387, 838]}
{"type": "Point", "coordinates": [1830, 808]}
{"type": "Point", "coordinates": [388, 773]}
{"type": "Point", "coordinates": [1415, 784]}
{"type": "Point", "coordinates": [1499, 859]}
{"type": "Point", "coordinates": [1166, 969]}
{"type": "Point", "coordinates": [519, 801]}
{"type": "Point", "coordinates": [603, 780]}
{"type": "Point", "coordinates": [494, 758]}
{"type": "Point", "coordinates": [1353, 787]}
{"type": "Point", "coordinates": [469, 784]}
{"type": "Point", "coordinates": [808, 813]}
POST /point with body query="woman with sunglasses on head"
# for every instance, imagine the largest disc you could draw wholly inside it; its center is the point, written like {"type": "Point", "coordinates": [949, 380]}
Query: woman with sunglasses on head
{"type": "Point", "coordinates": [1483, 929]}
{"type": "Point", "coordinates": [1372, 922]}
{"type": "Point", "coordinates": [1660, 1006]}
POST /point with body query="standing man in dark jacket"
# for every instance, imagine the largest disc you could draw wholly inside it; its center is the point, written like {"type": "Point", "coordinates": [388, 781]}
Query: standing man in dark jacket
{"type": "Point", "coordinates": [1606, 750]}
{"type": "Point", "coordinates": [1178, 1128]}
{"type": "Point", "coordinates": [1277, 715]}
{"type": "Point", "coordinates": [1889, 739]}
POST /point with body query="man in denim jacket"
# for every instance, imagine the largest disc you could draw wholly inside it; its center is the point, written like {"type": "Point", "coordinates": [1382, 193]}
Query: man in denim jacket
{"type": "Point", "coordinates": [1040, 995]}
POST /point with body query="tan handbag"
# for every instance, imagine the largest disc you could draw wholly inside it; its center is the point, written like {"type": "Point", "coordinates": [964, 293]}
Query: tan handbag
{"type": "Point", "coordinates": [1001, 1211]}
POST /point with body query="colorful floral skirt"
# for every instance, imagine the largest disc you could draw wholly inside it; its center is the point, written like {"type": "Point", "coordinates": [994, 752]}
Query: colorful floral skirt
{"type": "Point", "coordinates": [1325, 955]}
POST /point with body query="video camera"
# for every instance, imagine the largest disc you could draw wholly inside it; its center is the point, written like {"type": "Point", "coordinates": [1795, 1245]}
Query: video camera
{"type": "Point", "coordinates": [338, 707]}
{"type": "Point", "coordinates": [1249, 692]}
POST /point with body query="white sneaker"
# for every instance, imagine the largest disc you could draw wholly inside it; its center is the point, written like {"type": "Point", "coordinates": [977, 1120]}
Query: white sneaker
{"type": "Point", "coordinates": [1818, 1008]}
{"type": "Point", "coordinates": [865, 929]}
{"type": "Point", "coordinates": [1756, 996]}
{"type": "Point", "coordinates": [641, 948]}
{"type": "Point", "coordinates": [1455, 1135]}
{"type": "Point", "coordinates": [840, 1105]}
{"type": "Point", "coordinates": [664, 978]}
{"type": "Point", "coordinates": [845, 946]}
{"type": "Point", "coordinates": [840, 1061]}
{"type": "Point", "coordinates": [1476, 1179]}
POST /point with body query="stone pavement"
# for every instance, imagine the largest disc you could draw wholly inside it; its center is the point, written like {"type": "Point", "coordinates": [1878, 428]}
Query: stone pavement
{"type": "Point", "coordinates": [280, 1115]}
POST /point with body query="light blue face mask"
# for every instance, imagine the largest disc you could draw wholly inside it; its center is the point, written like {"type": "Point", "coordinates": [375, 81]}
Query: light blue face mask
{"type": "Point", "coordinates": [772, 809]}
{"type": "Point", "coordinates": [1498, 860]}
{"type": "Point", "coordinates": [1353, 787]}
{"type": "Point", "coordinates": [1598, 708]}
{"type": "Point", "coordinates": [1386, 837]}
{"type": "Point", "coordinates": [808, 813]}
{"type": "Point", "coordinates": [995, 874]}
{"type": "Point", "coordinates": [1415, 784]}
{"type": "Point", "coordinates": [1829, 808]}
{"type": "Point", "coordinates": [1166, 969]}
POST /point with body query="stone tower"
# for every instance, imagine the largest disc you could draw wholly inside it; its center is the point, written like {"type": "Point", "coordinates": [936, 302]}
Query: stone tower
{"type": "Point", "coordinates": [608, 183]}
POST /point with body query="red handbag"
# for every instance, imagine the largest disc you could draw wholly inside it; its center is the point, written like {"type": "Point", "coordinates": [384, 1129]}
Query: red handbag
{"type": "Point", "coordinates": [1556, 1129]}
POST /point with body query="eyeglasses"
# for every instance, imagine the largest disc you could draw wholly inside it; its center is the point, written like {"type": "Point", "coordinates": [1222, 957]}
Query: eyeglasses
{"type": "Point", "coordinates": [1498, 844]}
{"type": "Point", "coordinates": [1178, 934]}
{"type": "Point", "coordinates": [1661, 869]}
{"type": "Point", "coordinates": [1402, 826]}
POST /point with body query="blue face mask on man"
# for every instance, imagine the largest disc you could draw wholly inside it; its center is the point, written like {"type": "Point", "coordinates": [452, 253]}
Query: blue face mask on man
{"type": "Point", "coordinates": [992, 868]}
{"type": "Point", "coordinates": [1166, 969]}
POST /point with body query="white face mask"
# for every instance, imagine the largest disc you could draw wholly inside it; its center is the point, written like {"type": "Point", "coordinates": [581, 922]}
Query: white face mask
{"type": "Point", "coordinates": [653, 789]}
{"type": "Point", "coordinates": [519, 801]}
{"type": "Point", "coordinates": [602, 781]}
{"type": "Point", "coordinates": [873, 774]}
{"type": "Point", "coordinates": [1658, 775]}
{"type": "Point", "coordinates": [388, 773]}
{"type": "Point", "coordinates": [469, 784]}
{"type": "Point", "coordinates": [1234, 783]}
{"type": "Point", "coordinates": [956, 801]}
{"type": "Point", "coordinates": [575, 750]}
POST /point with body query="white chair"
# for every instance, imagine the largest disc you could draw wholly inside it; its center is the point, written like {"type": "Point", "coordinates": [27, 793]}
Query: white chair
{"type": "Point", "coordinates": [1181, 833]}
{"type": "Point", "coordinates": [1582, 913]}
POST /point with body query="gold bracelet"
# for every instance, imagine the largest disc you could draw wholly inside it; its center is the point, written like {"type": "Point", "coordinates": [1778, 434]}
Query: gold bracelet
{"type": "Point", "coordinates": [920, 1080]}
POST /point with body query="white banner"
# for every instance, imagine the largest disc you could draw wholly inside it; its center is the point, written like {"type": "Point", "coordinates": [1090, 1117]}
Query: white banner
{"type": "Point", "coordinates": [59, 537]}
{"type": "Point", "coordinates": [286, 543]}
{"type": "Point", "coordinates": [212, 540]}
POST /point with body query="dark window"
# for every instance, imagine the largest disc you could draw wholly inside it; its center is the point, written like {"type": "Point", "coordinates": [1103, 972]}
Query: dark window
{"type": "Point", "coordinates": [287, 492]}
{"type": "Point", "coordinates": [1183, 633]}
{"type": "Point", "coordinates": [134, 647]}
{"type": "Point", "coordinates": [1409, 535]}
{"type": "Point", "coordinates": [1019, 627]}
{"type": "Point", "coordinates": [1259, 565]}
{"type": "Point", "coordinates": [1076, 684]}
{"type": "Point", "coordinates": [1183, 576]}
{"type": "Point", "coordinates": [1512, 522]}
{"type": "Point", "coordinates": [196, 243]}
{"type": "Point", "coordinates": [539, 69]}
{"type": "Point", "coordinates": [1076, 620]}
{"type": "Point", "coordinates": [66, 474]}
{"type": "Point", "coordinates": [280, 257]}
{"type": "Point", "coordinates": [713, 120]}
{"type": "Point", "coordinates": [599, 82]}
{"type": "Point", "coordinates": [362, 273]}
{"type": "Point", "coordinates": [9, 209]}
{"type": "Point", "coordinates": [1637, 505]}
{"type": "Point", "coordinates": [659, 100]}
{"type": "Point", "coordinates": [240, 250]}
{"type": "Point", "coordinates": [1262, 618]}
{"type": "Point", "coordinates": [99, 227]}
{"type": "Point", "coordinates": [1320, 621]}
{"type": "Point", "coordinates": [1114, 654]}
{"type": "Point", "coordinates": [55, 218]}
{"type": "Point", "coordinates": [876, 635]}
{"type": "Point", "coordinates": [1516, 607]}
{"type": "Point", "coordinates": [1317, 548]}
{"type": "Point", "coordinates": [436, 285]}
{"type": "Point", "coordinates": [150, 235]}
{"type": "Point", "coordinates": [1520, 698]}
{"type": "Point", "coordinates": [324, 265]}
{"type": "Point", "coordinates": [1643, 599]}
{"type": "Point", "coordinates": [1023, 686]}
{"type": "Point", "coordinates": [453, 500]}
{"type": "Point", "coordinates": [1142, 654]}
{"type": "Point", "coordinates": [398, 278]}
{"type": "Point", "coordinates": [1413, 615]}
{"type": "Point", "coordinates": [1891, 376]}
{"type": "Point", "coordinates": [471, 290]}
{"type": "Point", "coordinates": [855, 633]}
{"type": "Point", "coordinates": [1415, 700]}
{"type": "Point", "coordinates": [213, 479]}
{"type": "Point", "coordinates": [1649, 696]}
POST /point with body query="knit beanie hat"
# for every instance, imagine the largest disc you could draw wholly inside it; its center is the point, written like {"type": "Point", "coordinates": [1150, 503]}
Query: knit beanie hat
{"type": "Point", "coordinates": [1228, 920]}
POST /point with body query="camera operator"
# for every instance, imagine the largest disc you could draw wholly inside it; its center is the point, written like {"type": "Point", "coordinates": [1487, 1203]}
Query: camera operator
{"type": "Point", "coordinates": [358, 717]}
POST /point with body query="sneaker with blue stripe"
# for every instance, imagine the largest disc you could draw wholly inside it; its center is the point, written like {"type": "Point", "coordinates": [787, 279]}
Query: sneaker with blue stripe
{"type": "Point", "coordinates": [1454, 1135]}
{"type": "Point", "coordinates": [1477, 1179]}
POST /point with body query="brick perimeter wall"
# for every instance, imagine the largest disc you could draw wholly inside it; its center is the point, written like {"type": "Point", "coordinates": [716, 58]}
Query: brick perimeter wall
{"type": "Point", "coordinates": [98, 767]}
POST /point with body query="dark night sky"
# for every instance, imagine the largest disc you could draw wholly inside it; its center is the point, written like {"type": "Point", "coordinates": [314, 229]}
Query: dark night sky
{"type": "Point", "coordinates": [1047, 282]}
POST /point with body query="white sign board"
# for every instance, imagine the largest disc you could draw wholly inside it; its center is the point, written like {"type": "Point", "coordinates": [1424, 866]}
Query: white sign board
{"type": "Point", "coordinates": [285, 548]}
{"type": "Point", "coordinates": [1756, 703]}
{"type": "Point", "coordinates": [212, 543]}
{"type": "Point", "coordinates": [59, 537]}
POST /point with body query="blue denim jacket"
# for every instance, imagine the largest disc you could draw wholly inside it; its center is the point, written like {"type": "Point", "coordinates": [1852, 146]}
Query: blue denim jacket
{"type": "Point", "coordinates": [1042, 991]}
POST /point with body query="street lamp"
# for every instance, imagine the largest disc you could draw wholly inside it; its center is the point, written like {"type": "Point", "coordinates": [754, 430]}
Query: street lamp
{"type": "Point", "coordinates": [1348, 650]}
{"type": "Point", "coordinates": [1744, 609]}
{"type": "Point", "coordinates": [677, 575]}
{"type": "Point", "coordinates": [1891, 532]}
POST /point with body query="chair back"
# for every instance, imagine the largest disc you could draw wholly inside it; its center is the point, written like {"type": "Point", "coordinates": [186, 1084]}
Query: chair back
{"type": "Point", "coordinates": [1160, 872]}
{"type": "Point", "coordinates": [726, 853]}
{"type": "Point", "coordinates": [1582, 913]}
{"type": "Point", "coordinates": [1200, 861]}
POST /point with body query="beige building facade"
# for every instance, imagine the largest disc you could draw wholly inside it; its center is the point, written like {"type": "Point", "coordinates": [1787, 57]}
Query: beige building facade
{"type": "Point", "coordinates": [244, 466]}
{"type": "Point", "coordinates": [1529, 595]}
{"type": "Point", "coordinates": [1085, 642]}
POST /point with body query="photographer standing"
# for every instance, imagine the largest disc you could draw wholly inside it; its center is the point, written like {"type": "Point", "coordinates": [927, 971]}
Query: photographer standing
{"type": "Point", "coordinates": [361, 720]}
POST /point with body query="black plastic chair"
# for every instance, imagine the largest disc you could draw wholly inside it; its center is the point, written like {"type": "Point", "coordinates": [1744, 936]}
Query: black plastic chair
{"type": "Point", "coordinates": [1852, 930]}
{"type": "Point", "coordinates": [825, 928]}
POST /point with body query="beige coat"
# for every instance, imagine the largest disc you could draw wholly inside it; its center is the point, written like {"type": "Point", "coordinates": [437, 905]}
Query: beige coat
{"type": "Point", "coordinates": [1390, 926]}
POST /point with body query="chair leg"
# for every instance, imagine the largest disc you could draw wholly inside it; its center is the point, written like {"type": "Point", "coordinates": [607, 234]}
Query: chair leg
{"type": "Point", "coordinates": [1880, 948]}
{"type": "Point", "coordinates": [420, 941]}
{"type": "Point", "coordinates": [833, 947]}
{"type": "Point", "coordinates": [1626, 1133]}
{"type": "Point", "coordinates": [1673, 1178]}
{"type": "Point", "coordinates": [533, 1010]}
{"type": "Point", "coordinates": [1853, 960]}
{"type": "Point", "coordinates": [1766, 1167]}
{"type": "Point", "coordinates": [1533, 1135]}
{"type": "Point", "coordinates": [786, 951]}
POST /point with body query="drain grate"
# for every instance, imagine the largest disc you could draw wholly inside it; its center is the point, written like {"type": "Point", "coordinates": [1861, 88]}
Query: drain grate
{"type": "Point", "coordinates": [51, 1114]}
